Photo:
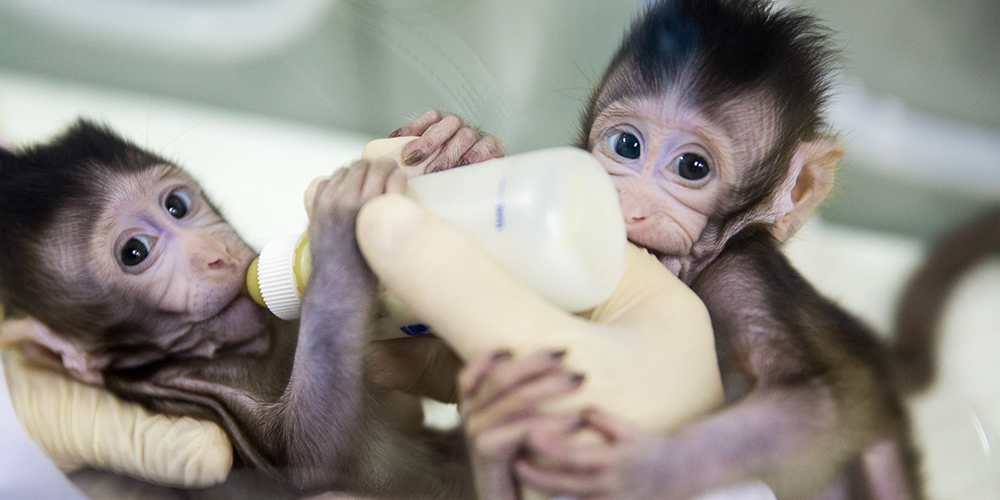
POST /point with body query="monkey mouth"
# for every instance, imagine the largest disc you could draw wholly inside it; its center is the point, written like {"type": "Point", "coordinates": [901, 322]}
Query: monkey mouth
{"type": "Point", "coordinates": [671, 262]}
{"type": "Point", "coordinates": [231, 296]}
{"type": "Point", "coordinates": [237, 318]}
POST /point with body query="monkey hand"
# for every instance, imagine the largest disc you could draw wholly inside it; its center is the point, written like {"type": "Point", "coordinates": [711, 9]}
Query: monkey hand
{"type": "Point", "coordinates": [512, 441]}
{"type": "Point", "coordinates": [429, 143]}
{"type": "Point", "coordinates": [499, 404]}
{"type": "Point", "coordinates": [444, 142]}
{"type": "Point", "coordinates": [622, 463]}
{"type": "Point", "coordinates": [79, 425]}
{"type": "Point", "coordinates": [337, 199]}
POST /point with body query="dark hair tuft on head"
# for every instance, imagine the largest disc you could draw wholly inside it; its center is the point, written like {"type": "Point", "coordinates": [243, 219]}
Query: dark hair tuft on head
{"type": "Point", "coordinates": [726, 48]}
{"type": "Point", "coordinates": [39, 183]}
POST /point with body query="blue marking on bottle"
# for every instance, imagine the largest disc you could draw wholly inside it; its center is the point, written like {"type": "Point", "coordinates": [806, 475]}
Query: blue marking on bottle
{"type": "Point", "coordinates": [415, 329]}
{"type": "Point", "coordinates": [499, 223]}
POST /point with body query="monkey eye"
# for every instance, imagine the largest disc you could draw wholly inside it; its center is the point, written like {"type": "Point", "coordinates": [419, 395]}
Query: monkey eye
{"type": "Point", "coordinates": [177, 204]}
{"type": "Point", "coordinates": [625, 145]}
{"type": "Point", "coordinates": [692, 166]}
{"type": "Point", "coordinates": [135, 251]}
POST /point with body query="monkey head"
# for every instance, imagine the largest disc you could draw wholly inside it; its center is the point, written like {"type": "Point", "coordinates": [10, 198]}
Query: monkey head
{"type": "Point", "coordinates": [706, 133]}
{"type": "Point", "coordinates": [119, 256]}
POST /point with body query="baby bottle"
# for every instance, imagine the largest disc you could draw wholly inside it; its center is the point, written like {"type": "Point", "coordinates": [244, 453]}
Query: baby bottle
{"type": "Point", "coordinates": [550, 217]}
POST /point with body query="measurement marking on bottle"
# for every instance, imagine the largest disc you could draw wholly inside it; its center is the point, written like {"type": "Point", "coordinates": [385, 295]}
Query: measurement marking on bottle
{"type": "Point", "coordinates": [499, 222]}
{"type": "Point", "coordinates": [415, 330]}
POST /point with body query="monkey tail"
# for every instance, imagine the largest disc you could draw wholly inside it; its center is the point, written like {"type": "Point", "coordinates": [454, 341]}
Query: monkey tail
{"type": "Point", "coordinates": [920, 310]}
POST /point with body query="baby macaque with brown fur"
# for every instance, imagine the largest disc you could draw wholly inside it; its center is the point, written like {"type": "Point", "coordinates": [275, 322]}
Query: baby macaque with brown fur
{"type": "Point", "coordinates": [125, 275]}
{"type": "Point", "coordinates": [709, 121]}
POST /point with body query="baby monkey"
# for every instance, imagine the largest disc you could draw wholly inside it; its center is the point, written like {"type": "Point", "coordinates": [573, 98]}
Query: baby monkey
{"type": "Point", "coordinates": [709, 121]}
{"type": "Point", "coordinates": [135, 281]}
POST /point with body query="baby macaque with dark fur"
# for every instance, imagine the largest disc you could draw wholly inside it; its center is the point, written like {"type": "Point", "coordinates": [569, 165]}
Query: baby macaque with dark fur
{"type": "Point", "coordinates": [709, 121]}
{"type": "Point", "coordinates": [134, 282]}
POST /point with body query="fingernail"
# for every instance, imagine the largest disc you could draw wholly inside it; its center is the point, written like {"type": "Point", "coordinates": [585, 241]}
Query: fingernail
{"type": "Point", "coordinates": [415, 157]}
{"type": "Point", "coordinates": [557, 355]}
{"type": "Point", "coordinates": [577, 378]}
{"type": "Point", "coordinates": [396, 133]}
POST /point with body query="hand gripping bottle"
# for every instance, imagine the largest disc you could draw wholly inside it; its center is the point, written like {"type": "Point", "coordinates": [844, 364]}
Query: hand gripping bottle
{"type": "Point", "coordinates": [550, 217]}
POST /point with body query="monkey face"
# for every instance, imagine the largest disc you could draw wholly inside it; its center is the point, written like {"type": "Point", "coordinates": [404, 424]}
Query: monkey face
{"type": "Point", "coordinates": [159, 241]}
{"type": "Point", "coordinates": [671, 166]}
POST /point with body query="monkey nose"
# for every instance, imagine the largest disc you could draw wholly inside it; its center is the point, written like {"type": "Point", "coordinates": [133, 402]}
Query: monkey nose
{"type": "Point", "coordinates": [214, 263]}
{"type": "Point", "coordinates": [217, 264]}
{"type": "Point", "coordinates": [210, 254]}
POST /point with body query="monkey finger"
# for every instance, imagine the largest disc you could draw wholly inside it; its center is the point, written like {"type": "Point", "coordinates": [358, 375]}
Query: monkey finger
{"type": "Point", "coordinates": [453, 150]}
{"type": "Point", "coordinates": [498, 443]}
{"type": "Point", "coordinates": [475, 372]}
{"type": "Point", "coordinates": [397, 182]}
{"type": "Point", "coordinates": [559, 483]}
{"type": "Point", "coordinates": [347, 193]}
{"type": "Point", "coordinates": [418, 125]}
{"type": "Point", "coordinates": [512, 375]}
{"type": "Point", "coordinates": [431, 141]}
{"type": "Point", "coordinates": [553, 444]}
{"type": "Point", "coordinates": [314, 187]}
{"type": "Point", "coordinates": [523, 402]}
{"type": "Point", "coordinates": [377, 178]}
{"type": "Point", "coordinates": [610, 428]}
{"type": "Point", "coordinates": [486, 148]}
{"type": "Point", "coordinates": [321, 197]}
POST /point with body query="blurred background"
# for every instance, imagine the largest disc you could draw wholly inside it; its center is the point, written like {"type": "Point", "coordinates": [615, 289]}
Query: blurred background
{"type": "Point", "coordinates": [918, 108]}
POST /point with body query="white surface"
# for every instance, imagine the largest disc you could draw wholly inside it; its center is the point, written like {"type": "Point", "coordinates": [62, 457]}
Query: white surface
{"type": "Point", "coordinates": [220, 30]}
{"type": "Point", "coordinates": [257, 168]}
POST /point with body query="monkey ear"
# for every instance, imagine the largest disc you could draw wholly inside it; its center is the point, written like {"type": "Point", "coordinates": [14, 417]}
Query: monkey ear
{"type": "Point", "coordinates": [810, 177]}
{"type": "Point", "coordinates": [42, 345]}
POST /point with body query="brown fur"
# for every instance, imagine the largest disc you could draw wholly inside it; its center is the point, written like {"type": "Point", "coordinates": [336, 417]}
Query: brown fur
{"type": "Point", "coordinates": [175, 333]}
{"type": "Point", "coordinates": [920, 309]}
{"type": "Point", "coordinates": [813, 406]}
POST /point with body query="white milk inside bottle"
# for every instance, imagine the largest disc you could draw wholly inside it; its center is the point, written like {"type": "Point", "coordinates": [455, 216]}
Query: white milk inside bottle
{"type": "Point", "coordinates": [550, 217]}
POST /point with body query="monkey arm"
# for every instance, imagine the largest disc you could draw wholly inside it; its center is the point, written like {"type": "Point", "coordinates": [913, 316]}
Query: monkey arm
{"type": "Point", "coordinates": [324, 400]}
{"type": "Point", "coordinates": [805, 407]}
{"type": "Point", "coordinates": [802, 377]}
{"type": "Point", "coordinates": [337, 427]}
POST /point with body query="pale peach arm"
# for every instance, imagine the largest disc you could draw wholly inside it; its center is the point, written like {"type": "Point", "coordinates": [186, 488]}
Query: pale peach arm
{"type": "Point", "coordinates": [649, 356]}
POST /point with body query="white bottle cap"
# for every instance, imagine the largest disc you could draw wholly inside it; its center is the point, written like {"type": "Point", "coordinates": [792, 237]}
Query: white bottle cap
{"type": "Point", "coordinates": [276, 277]}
